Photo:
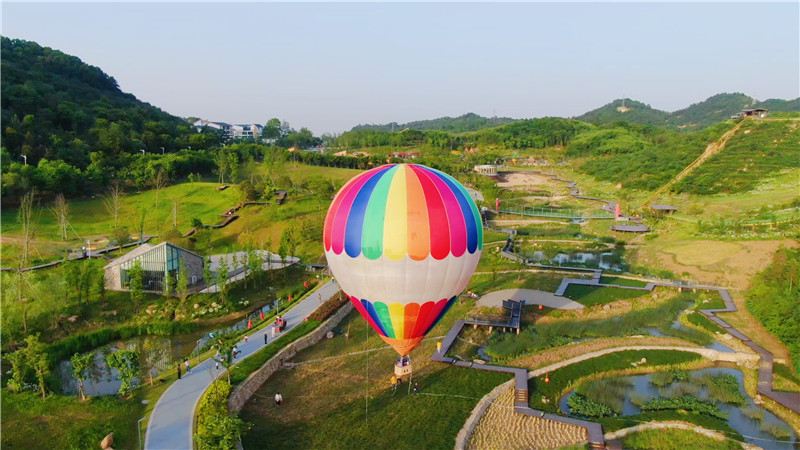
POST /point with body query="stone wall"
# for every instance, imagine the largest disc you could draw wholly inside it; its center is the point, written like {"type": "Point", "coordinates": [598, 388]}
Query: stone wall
{"type": "Point", "coordinates": [248, 387]}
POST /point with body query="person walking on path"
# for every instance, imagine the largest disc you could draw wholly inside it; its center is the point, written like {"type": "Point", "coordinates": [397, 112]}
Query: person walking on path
{"type": "Point", "coordinates": [245, 339]}
{"type": "Point", "coordinates": [188, 368]}
{"type": "Point", "coordinates": [265, 337]}
{"type": "Point", "coordinates": [278, 399]}
{"type": "Point", "coordinates": [179, 371]}
{"type": "Point", "coordinates": [320, 297]}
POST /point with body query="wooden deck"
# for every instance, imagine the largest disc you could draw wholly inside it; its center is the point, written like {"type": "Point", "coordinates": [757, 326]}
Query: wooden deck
{"type": "Point", "coordinates": [512, 321]}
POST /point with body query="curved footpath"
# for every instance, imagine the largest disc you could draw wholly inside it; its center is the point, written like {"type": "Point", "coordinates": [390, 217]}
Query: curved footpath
{"type": "Point", "coordinates": [172, 420]}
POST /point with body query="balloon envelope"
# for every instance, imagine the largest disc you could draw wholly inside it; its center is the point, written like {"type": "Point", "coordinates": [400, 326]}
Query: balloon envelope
{"type": "Point", "coordinates": [403, 241]}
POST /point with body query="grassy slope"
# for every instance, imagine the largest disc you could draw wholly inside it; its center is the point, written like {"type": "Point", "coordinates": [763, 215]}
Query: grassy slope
{"type": "Point", "coordinates": [324, 398]}
{"type": "Point", "coordinates": [593, 295]}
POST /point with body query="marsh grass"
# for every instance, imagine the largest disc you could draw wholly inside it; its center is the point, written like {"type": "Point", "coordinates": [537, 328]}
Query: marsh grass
{"type": "Point", "coordinates": [607, 391]}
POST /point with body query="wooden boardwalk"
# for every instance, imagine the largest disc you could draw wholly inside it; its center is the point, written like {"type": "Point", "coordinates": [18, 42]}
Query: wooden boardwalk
{"type": "Point", "coordinates": [521, 400]}
{"type": "Point", "coordinates": [790, 400]}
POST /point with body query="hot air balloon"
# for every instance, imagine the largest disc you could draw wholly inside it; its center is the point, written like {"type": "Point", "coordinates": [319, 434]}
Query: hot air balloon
{"type": "Point", "coordinates": [403, 241]}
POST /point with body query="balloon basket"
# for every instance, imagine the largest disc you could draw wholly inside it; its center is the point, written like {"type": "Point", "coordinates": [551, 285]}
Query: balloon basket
{"type": "Point", "coordinates": [401, 371]}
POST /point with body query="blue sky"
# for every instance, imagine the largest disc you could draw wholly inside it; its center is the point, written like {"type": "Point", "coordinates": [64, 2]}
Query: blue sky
{"type": "Point", "coordinates": [331, 66]}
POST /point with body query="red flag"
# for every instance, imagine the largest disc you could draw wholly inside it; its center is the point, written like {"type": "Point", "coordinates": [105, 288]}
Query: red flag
{"type": "Point", "coordinates": [249, 324]}
{"type": "Point", "coordinates": [497, 205]}
{"type": "Point", "coordinates": [261, 313]}
{"type": "Point", "coordinates": [290, 298]}
{"type": "Point", "coordinates": [305, 283]}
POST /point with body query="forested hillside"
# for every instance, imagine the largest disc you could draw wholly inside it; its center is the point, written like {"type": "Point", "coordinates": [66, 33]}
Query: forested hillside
{"type": "Point", "coordinates": [78, 130]}
{"type": "Point", "coordinates": [56, 107]}
{"type": "Point", "coordinates": [460, 124]}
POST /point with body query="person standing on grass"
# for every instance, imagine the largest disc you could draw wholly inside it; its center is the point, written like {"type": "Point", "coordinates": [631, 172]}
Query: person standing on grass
{"type": "Point", "coordinates": [278, 399]}
{"type": "Point", "coordinates": [416, 388]}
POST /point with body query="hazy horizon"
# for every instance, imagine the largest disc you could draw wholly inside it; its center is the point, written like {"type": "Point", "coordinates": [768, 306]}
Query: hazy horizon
{"type": "Point", "coordinates": [329, 67]}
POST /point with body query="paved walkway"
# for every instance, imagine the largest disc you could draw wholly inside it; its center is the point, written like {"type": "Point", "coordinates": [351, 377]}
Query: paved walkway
{"type": "Point", "coordinates": [528, 297]}
{"type": "Point", "coordinates": [171, 422]}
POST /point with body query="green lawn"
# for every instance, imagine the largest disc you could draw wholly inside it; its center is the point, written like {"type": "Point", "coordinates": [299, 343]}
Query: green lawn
{"type": "Point", "coordinates": [486, 283]}
{"type": "Point", "coordinates": [431, 419]}
{"type": "Point", "coordinates": [594, 295]}
{"type": "Point", "coordinates": [31, 422]}
{"type": "Point", "coordinates": [327, 395]}
{"type": "Point", "coordinates": [622, 281]}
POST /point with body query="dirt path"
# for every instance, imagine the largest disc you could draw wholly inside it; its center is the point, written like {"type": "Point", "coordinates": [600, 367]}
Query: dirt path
{"type": "Point", "coordinates": [711, 150]}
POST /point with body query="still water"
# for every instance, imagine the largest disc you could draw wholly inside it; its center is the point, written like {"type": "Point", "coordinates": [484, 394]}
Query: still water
{"type": "Point", "coordinates": [156, 353]}
{"type": "Point", "coordinates": [751, 429]}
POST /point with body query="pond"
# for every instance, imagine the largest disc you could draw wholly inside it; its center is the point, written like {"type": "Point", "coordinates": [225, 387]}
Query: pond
{"type": "Point", "coordinates": [601, 260]}
{"type": "Point", "coordinates": [157, 352]}
{"type": "Point", "coordinates": [751, 420]}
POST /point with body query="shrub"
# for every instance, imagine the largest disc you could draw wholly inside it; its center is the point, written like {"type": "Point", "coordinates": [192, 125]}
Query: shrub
{"type": "Point", "coordinates": [582, 406]}
{"type": "Point", "coordinates": [685, 403]}
{"type": "Point", "coordinates": [216, 428]}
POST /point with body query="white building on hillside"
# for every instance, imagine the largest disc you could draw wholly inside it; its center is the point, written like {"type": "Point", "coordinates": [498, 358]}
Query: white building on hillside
{"type": "Point", "coordinates": [232, 131]}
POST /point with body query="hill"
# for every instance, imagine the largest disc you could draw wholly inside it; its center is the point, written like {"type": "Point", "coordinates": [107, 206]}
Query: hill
{"type": "Point", "coordinates": [713, 110]}
{"type": "Point", "coordinates": [56, 107]}
{"type": "Point", "coordinates": [778, 105]}
{"type": "Point", "coordinates": [460, 124]}
{"type": "Point", "coordinates": [632, 111]}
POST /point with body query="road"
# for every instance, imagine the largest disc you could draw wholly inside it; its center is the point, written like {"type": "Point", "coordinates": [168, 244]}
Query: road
{"type": "Point", "coordinates": [170, 425]}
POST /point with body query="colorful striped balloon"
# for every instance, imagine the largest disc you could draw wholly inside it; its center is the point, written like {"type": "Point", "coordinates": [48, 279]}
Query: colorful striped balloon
{"type": "Point", "coordinates": [403, 241]}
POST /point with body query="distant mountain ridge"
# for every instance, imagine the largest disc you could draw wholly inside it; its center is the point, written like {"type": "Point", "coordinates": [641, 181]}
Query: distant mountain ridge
{"type": "Point", "coordinates": [461, 124]}
{"type": "Point", "coordinates": [713, 110]}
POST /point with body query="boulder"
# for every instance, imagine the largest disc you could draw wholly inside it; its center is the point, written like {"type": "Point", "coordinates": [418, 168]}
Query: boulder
{"type": "Point", "coordinates": [107, 441]}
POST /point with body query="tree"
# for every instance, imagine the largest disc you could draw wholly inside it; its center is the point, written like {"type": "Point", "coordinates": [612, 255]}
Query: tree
{"type": "Point", "coordinates": [222, 279]}
{"type": "Point", "coordinates": [272, 130]}
{"type": "Point", "coordinates": [232, 161]}
{"type": "Point", "coordinates": [25, 216]}
{"type": "Point", "coordinates": [254, 263]}
{"type": "Point", "coordinates": [60, 210]}
{"type": "Point", "coordinates": [158, 180]}
{"type": "Point", "coordinates": [113, 201]}
{"type": "Point", "coordinates": [19, 367]}
{"type": "Point", "coordinates": [136, 277]}
{"type": "Point", "coordinates": [154, 351]}
{"type": "Point", "coordinates": [36, 357]}
{"type": "Point", "coordinates": [247, 192]}
{"type": "Point", "coordinates": [80, 370]}
{"type": "Point", "coordinates": [182, 287]}
{"type": "Point", "coordinates": [168, 282]}
{"type": "Point", "coordinates": [225, 342]}
{"type": "Point", "coordinates": [142, 216]}
{"type": "Point", "coordinates": [208, 275]}
{"type": "Point", "coordinates": [221, 160]}
{"type": "Point", "coordinates": [127, 363]}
